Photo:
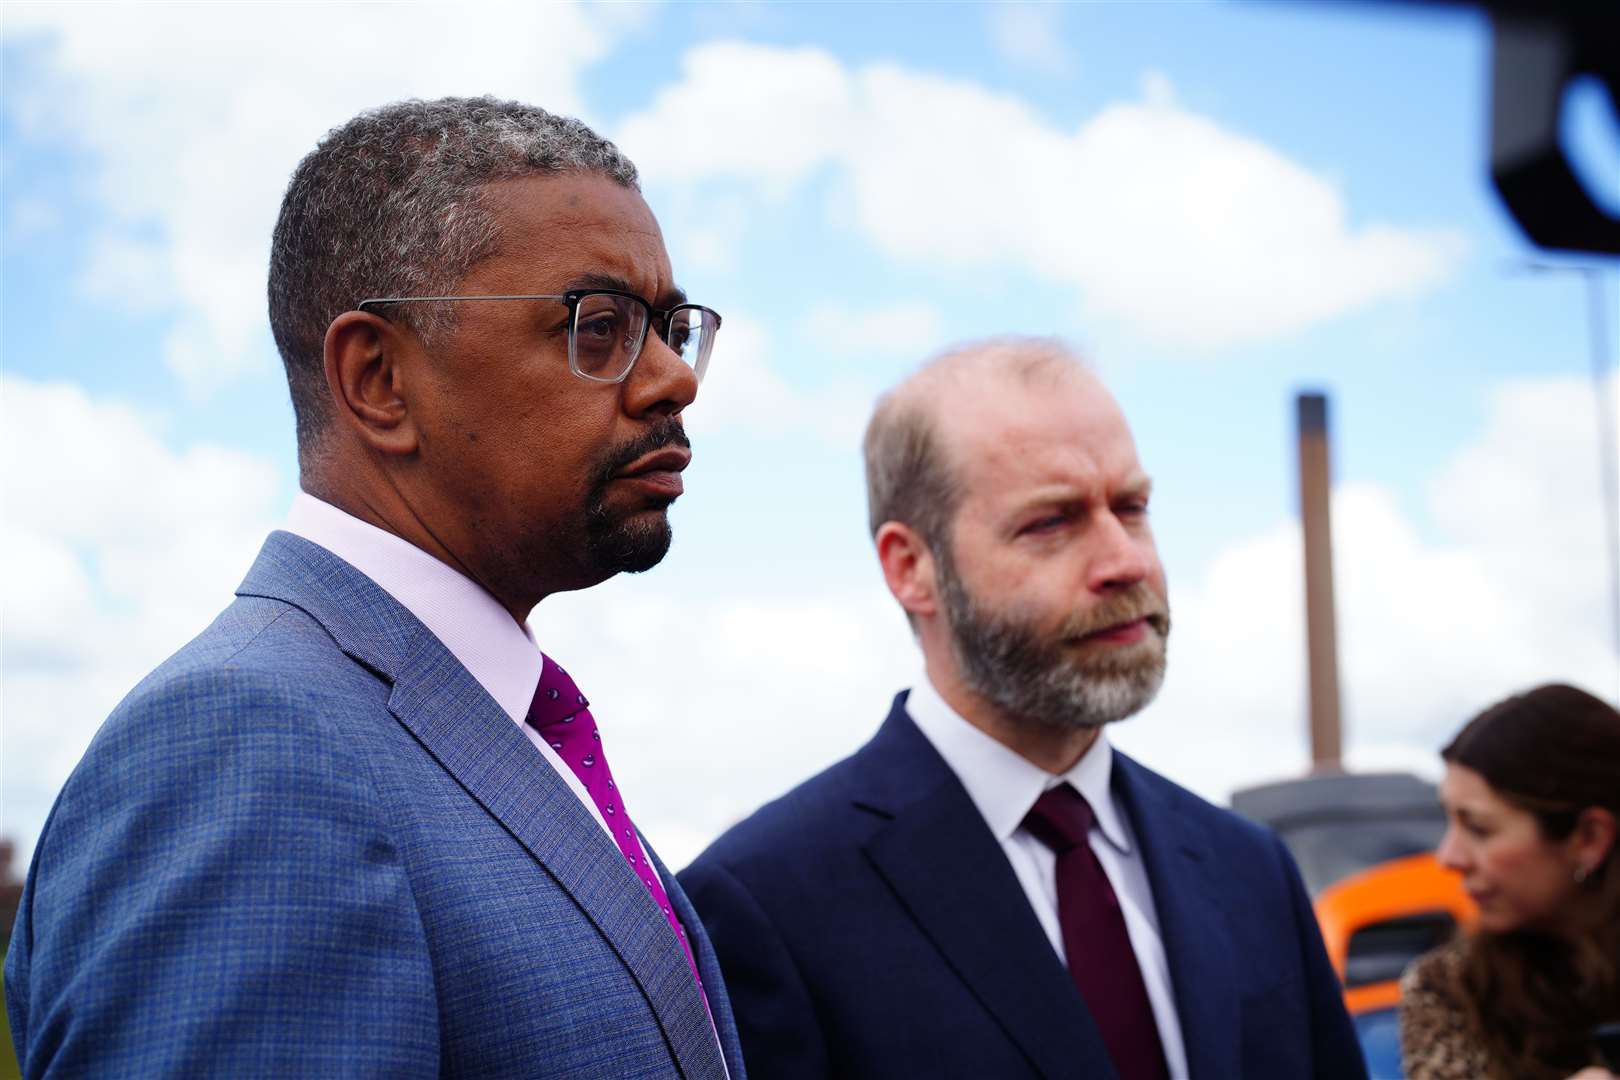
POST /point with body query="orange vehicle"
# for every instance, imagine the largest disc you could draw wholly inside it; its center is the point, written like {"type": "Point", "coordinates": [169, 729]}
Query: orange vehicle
{"type": "Point", "coordinates": [1364, 845]}
{"type": "Point", "coordinates": [1375, 922]}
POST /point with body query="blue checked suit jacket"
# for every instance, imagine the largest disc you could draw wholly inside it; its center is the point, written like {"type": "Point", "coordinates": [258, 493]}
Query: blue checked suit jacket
{"type": "Point", "coordinates": [311, 845]}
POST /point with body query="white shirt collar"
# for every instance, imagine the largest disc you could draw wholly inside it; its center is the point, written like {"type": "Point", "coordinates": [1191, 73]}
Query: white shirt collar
{"type": "Point", "coordinates": [1004, 785]}
{"type": "Point", "coordinates": [497, 650]}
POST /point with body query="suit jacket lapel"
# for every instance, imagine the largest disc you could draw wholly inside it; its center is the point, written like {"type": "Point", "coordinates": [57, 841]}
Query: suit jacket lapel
{"type": "Point", "coordinates": [1190, 903]}
{"type": "Point", "coordinates": [940, 858]}
{"type": "Point", "coordinates": [714, 983]}
{"type": "Point", "coordinates": [469, 735]}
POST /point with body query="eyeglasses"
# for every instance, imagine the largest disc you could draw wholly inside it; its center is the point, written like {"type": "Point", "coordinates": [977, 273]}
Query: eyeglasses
{"type": "Point", "coordinates": [607, 328]}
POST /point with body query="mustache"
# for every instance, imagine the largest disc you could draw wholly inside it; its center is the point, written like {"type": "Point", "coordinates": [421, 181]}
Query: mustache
{"type": "Point", "coordinates": [1137, 602]}
{"type": "Point", "coordinates": [666, 432]}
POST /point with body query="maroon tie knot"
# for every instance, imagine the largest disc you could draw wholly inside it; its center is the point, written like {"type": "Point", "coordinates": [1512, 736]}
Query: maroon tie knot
{"type": "Point", "coordinates": [1061, 818]}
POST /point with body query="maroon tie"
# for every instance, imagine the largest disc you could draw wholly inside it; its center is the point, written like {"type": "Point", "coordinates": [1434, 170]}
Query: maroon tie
{"type": "Point", "coordinates": [1101, 961]}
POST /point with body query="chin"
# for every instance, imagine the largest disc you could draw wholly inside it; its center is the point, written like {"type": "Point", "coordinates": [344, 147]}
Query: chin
{"type": "Point", "coordinates": [631, 545]}
{"type": "Point", "coordinates": [1497, 922]}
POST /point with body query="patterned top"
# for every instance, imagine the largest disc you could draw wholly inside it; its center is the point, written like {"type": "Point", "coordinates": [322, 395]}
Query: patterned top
{"type": "Point", "coordinates": [1440, 1039]}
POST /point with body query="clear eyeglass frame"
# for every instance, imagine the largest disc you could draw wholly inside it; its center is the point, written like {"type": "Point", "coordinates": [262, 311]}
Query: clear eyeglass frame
{"type": "Point", "coordinates": [616, 324]}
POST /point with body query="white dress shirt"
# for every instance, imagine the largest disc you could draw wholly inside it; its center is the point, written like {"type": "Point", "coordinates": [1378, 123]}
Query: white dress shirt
{"type": "Point", "coordinates": [496, 649]}
{"type": "Point", "coordinates": [1004, 786]}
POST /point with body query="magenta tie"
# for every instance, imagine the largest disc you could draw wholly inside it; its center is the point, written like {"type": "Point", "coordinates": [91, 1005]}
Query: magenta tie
{"type": "Point", "coordinates": [563, 718]}
{"type": "Point", "coordinates": [1101, 961]}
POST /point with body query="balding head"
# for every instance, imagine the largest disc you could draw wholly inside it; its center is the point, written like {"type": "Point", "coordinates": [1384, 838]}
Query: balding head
{"type": "Point", "coordinates": [912, 452]}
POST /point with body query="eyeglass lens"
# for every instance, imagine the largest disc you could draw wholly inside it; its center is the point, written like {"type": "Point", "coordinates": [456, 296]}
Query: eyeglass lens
{"type": "Point", "coordinates": [608, 331]}
{"type": "Point", "coordinates": [691, 336]}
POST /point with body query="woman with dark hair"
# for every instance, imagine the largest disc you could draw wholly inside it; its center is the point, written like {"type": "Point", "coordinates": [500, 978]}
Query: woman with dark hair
{"type": "Point", "coordinates": [1532, 794]}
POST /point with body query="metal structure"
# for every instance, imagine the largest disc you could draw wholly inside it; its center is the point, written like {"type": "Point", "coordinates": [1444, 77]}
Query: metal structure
{"type": "Point", "coordinates": [1321, 621]}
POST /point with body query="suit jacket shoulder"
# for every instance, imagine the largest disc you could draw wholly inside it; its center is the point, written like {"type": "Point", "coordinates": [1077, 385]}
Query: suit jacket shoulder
{"type": "Point", "coordinates": [1226, 826]}
{"type": "Point", "coordinates": [217, 813]}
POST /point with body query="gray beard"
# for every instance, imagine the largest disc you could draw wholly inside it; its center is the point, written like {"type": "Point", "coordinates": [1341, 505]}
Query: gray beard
{"type": "Point", "coordinates": [1029, 675]}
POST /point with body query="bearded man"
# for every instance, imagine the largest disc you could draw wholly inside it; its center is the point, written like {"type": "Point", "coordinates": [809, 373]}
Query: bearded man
{"type": "Point", "coordinates": [987, 888]}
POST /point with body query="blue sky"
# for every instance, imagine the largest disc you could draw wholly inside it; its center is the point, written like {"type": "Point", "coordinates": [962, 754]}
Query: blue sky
{"type": "Point", "coordinates": [1219, 204]}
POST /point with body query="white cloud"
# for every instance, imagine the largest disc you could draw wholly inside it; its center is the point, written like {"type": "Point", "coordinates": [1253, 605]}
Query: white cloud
{"type": "Point", "coordinates": [746, 392]}
{"type": "Point", "coordinates": [843, 334]}
{"type": "Point", "coordinates": [1430, 632]}
{"type": "Point", "coordinates": [704, 231]}
{"type": "Point", "coordinates": [128, 272]}
{"type": "Point", "coordinates": [116, 550]}
{"type": "Point", "coordinates": [743, 110]}
{"type": "Point", "coordinates": [1188, 232]}
{"type": "Point", "coordinates": [1030, 35]}
{"type": "Point", "coordinates": [197, 115]}
{"type": "Point", "coordinates": [1529, 491]}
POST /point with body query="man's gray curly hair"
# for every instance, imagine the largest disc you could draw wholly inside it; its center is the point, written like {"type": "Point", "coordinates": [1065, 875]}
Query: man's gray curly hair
{"type": "Point", "coordinates": [391, 204]}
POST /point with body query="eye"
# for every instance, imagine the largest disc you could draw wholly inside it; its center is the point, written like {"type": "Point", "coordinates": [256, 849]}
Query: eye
{"type": "Point", "coordinates": [1047, 524]}
{"type": "Point", "coordinates": [603, 326]}
{"type": "Point", "coordinates": [1132, 508]}
{"type": "Point", "coordinates": [680, 332]}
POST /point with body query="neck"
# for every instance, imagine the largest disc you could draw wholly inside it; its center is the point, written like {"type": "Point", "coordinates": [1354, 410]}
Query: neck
{"type": "Point", "coordinates": [1056, 750]}
{"type": "Point", "coordinates": [384, 506]}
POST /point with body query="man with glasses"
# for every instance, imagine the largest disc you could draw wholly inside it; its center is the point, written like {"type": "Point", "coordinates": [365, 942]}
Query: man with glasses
{"type": "Point", "coordinates": [362, 826]}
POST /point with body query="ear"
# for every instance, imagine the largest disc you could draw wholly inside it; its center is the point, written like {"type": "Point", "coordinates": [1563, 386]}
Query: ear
{"type": "Point", "coordinates": [366, 381]}
{"type": "Point", "coordinates": [908, 568]}
{"type": "Point", "coordinates": [1594, 838]}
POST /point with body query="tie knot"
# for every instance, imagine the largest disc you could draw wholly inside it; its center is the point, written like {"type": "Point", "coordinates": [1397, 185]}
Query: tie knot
{"type": "Point", "coordinates": [556, 699]}
{"type": "Point", "coordinates": [1060, 818]}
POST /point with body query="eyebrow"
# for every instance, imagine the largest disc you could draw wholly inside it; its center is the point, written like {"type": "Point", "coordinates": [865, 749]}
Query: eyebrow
{"type": "Point", "coordinates": [1140, 484]}
{"type": "Point", "coordinates": [674, 297]}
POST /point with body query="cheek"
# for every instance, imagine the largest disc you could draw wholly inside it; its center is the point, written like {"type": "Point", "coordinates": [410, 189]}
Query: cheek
{"type": "Point", "coordinates": [1535, 881]}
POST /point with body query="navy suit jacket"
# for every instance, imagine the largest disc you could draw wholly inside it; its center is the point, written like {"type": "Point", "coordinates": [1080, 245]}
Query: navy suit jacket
{"type": "Point", "coordinates": [870, 926]}
{"type": "Point", "coordinates": [311, 845]}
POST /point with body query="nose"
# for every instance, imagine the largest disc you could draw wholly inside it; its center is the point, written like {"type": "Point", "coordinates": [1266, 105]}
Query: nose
{"type": "Point", "coordinates": [1452, 852]}
{"type": "Point", "coordinates": [661, 383]}
{"type": "Point", "coordinates": [1124, 555]}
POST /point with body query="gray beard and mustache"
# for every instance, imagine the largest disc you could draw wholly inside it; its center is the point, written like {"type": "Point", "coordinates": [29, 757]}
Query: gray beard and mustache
{"type": "Point", "coordinates": [1032, 676]}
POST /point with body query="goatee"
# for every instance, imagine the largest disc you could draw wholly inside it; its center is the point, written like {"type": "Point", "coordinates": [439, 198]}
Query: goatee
{"type": "Point", "coordinates": [619, 543]}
